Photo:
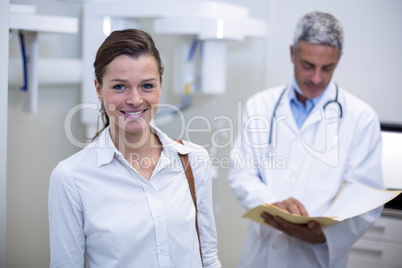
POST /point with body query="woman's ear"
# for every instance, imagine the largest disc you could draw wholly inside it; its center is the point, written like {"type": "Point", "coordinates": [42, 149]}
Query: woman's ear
{"type": "Point", "coordinates": [98, 90]}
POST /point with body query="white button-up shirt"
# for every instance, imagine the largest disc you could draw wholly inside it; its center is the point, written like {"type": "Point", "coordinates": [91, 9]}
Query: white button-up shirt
{"type": "Point", "coordinates": [101, 206]}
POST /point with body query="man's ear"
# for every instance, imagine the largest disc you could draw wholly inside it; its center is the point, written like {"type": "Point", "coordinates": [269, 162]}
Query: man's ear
{"type": "Point", "coordinates": [98, 90]}
{"type": "Point", "coordinates": [292, 54]}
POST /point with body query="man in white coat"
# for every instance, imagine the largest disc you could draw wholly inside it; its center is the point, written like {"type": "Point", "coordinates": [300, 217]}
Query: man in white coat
{"type": "Point", "coordinates": [299, 144]}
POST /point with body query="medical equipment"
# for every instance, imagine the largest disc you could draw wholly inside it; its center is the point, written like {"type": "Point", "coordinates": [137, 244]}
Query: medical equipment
{"type": "Point", "coordinates": [25, 20]}
{"type": "Point", "coordinates": [280, 98]}
{"type": "Point", "coordinates": [212, 23]}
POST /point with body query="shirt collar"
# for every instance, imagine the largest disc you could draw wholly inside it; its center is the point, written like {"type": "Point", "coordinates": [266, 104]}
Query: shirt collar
{"type": "Point", "coordinates": [294, 87]}
{"type": "Point", "coordinates": [170, 144]}
{"type": "Point", "coordinates": [106, 150]}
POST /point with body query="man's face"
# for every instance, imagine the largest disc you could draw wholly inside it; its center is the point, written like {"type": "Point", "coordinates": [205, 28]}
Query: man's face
{"type": "Point", "coordinates": [313, 67]}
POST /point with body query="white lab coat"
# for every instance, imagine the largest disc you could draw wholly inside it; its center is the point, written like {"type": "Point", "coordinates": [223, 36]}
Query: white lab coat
{"type": "Point", "coordinates": [309, 164]}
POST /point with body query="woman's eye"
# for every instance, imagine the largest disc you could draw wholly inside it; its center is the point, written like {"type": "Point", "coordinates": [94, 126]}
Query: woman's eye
{"type": "Point", "coordinates": [119, 87]}
{"type": "Point", "coordinates": [147, 86]}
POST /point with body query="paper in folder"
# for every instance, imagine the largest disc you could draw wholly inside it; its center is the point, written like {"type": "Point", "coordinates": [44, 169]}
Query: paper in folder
{"type": "Point", "coordinates": [351, 200]}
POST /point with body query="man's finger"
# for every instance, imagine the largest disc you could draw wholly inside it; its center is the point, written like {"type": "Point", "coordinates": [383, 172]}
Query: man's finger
{"type": "Point", "coordinates": [295, 207]}
{"type": "Point", "coordinates": [270, 220]}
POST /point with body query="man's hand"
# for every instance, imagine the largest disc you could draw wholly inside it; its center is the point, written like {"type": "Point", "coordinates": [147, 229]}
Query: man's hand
{"type": "Point", "coordinates": [292, 206]}
{"type": "Point", "coordinates": [310, 232]}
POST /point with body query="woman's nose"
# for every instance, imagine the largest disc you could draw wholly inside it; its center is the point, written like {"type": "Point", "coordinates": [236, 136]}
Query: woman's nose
{"type": "Point", "coordinates": [134, 98]}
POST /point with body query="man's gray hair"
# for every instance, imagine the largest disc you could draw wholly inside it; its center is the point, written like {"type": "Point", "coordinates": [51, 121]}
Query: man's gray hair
{"type": "Point", "coordinates": [319, 28]}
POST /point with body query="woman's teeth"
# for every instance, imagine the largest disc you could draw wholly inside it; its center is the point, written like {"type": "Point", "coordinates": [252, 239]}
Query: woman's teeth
{"type": "Point", "coordinates": [134, 113]}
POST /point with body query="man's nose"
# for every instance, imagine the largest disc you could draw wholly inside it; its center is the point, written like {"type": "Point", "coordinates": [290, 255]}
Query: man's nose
{"type": "Point", "coordinates": [316, 77]}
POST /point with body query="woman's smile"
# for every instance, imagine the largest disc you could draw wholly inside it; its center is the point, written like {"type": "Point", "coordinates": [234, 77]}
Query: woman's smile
{"type": "Point", "coordinates": [134, 114]}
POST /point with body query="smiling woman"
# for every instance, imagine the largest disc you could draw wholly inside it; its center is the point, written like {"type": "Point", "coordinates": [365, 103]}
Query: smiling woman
{"type": "Point", "coordinates": [124, 200]}
{"type": "Point", "coordinates": [130, 92]}
{"type": "Point", "coordinates": [120, 55]}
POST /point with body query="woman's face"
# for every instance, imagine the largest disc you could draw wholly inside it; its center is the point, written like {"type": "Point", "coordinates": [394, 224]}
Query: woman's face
{"type": "Point", "coordinates": [130, 91]}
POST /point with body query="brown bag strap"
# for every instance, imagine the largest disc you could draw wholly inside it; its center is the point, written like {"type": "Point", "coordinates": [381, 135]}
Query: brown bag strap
{"type": "Point", "coordinates": [190, 179]}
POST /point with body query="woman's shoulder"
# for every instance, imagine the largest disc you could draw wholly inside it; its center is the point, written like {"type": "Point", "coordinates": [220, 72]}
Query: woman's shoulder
{"type": "Point", "coordinates": [198, 155]}
{"type": "Point", "coordinates": [182, 146]}
{"type": "Point", "coordinates": [194, 147]}
{"type": "Point", "coordinates": [83, 158]}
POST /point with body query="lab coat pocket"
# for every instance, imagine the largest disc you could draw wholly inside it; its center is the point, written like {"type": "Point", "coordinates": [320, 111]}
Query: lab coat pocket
{"type": "Point", "coordinates": [321, 139]}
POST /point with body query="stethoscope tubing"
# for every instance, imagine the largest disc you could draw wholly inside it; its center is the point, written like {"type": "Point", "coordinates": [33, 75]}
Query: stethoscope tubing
{"type": "Point", "coordinates": [325, 105]}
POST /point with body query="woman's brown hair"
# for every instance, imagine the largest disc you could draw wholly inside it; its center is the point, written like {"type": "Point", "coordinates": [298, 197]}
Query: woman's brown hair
{"type": "Point", "coordinates": [131, 42]}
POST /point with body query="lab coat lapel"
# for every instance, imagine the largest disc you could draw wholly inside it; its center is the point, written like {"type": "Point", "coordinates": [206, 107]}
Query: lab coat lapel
{"type": "Point", "coordinates": [320, 132]}
{"type": "Point", "coordinates": [285, 110]}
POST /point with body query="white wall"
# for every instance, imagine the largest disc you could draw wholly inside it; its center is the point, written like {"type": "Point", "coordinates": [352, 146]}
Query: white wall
{"type": "Point", "coordinates": [37, 142]}
{"type": "Point", "coordinates": [370, 66]}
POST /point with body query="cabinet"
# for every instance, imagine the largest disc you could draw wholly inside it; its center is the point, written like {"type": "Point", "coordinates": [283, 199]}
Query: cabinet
{"type": "Point", "coordinates": [381, 245]}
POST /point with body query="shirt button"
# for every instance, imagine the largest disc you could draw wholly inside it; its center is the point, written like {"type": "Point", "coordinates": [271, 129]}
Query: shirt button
{"type": "Point", "coordinates": [163, 249]}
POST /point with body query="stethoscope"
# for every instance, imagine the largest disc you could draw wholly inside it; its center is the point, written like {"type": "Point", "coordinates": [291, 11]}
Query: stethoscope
{"type": "Point", "coordinates": [325, 105]}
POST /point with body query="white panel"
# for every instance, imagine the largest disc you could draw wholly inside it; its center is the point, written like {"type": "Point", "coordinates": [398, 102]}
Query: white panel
{"type": "Point", "coordinates": [391, 159]}
{"type": "Point", "coordinates": [42, 23]}
{"type": "Point", "coordinates": [148, 9]}
{"type": "Point", "coordinates": [25, 9]}
{"type": "Point", "coordinates": [51, 71]}
{"type": "Point", "coordinates": [212, 28]}
{"type": "Point", "coordinates": [213, 79]}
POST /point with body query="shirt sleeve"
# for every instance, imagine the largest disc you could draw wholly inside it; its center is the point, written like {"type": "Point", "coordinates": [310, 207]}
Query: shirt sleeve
{"type": "Point", "coordinates": [246, 182]}
{"type": "Point", "coordinates": [66, 235]}
{"type": "Point", "coordinates": [206, 220]}
{"type": "Point", "coordinates": [363, 167]}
